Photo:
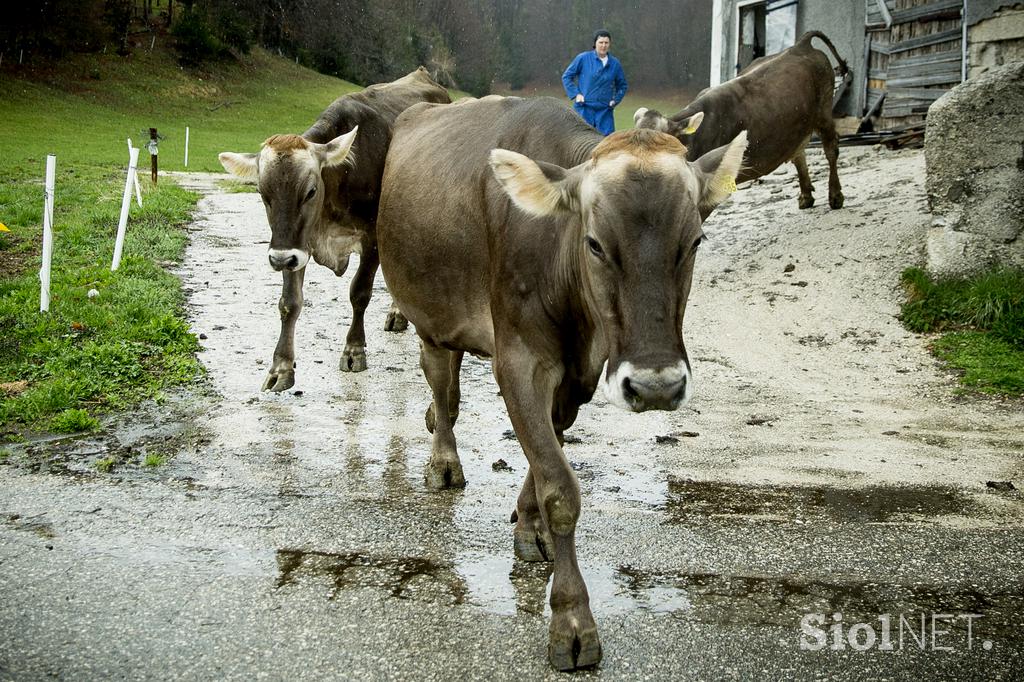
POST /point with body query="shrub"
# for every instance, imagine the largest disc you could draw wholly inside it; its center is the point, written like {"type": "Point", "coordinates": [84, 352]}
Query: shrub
{"type": "Point", "coordinates": [194, 39]}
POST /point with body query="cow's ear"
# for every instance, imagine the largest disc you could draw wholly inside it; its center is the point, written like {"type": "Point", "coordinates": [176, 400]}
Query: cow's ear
{"type": "Point", "coordinates": [692, 124]}
{"type": "Point", "coordinates": [242, 165]}
{"type": "Point", "coordinates": [717, 171]}
{"type": "Point", "coordinates": [539, 188]}
{"type": "Point", "coordinates": [338, 151]}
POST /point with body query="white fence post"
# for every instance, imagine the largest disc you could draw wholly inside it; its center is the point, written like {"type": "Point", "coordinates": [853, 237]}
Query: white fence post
{"type": "Point", "coordinates": [44, 271]}
{"type": "Point", "coordinates": [138, 190]}
{"type": "Point", "coordinates": [186, 146]}
{"type": "Point", "coordinates": [126, 201]}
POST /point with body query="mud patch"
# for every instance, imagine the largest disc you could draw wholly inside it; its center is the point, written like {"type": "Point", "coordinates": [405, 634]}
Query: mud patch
{"type": "Point", "coordinates": [166, 429]}
{"type": "Point", "coordinates": [688, 499]}
{"type": "Point", "coordinates": [408, 577]}
{"type": "Point", "coordinates": [782, 601]}
{"type": "Point", "coordinates": [30, 524]}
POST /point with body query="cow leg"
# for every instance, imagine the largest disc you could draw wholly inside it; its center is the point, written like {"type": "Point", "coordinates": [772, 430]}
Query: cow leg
{"type": "Point", "coordinates": [282, 372]}
{"type": "Point", "coordinates": [353, 358]}
{"type": "Point", "coordinates": [454, 392]}
{"type": "Point", "coordinates": [531, 538]}
{"type": "Point", "coordinates": [528, 389]}
{"type": "Point", "coordinates": [444, 469]}
{"type": "Point", "coordinates": [395, 321]}
{"type": "Point", "coordinates": [806, 188]}
{"type": "Point", "coordinates": [830, 143]}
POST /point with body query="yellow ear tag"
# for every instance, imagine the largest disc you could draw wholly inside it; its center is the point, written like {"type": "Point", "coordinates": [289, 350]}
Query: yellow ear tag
{"type": "Point", "coordinates": [689, 131]}
{"type": "Point", "coordinates": [729, 184]}
{"type": "Point", "coordinates": [3, 228]}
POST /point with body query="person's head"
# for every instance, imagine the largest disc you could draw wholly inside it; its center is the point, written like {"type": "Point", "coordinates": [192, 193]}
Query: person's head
{"type": "Point", "coordinates": [602, 42]}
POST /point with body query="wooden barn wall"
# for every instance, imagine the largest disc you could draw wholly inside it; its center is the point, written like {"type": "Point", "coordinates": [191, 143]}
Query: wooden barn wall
{"type": "Point", "coordinates": [913, 61]}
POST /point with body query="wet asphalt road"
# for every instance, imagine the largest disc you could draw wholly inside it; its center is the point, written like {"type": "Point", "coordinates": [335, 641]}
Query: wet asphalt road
{"type": "Point", "coordinates": [290, 535]}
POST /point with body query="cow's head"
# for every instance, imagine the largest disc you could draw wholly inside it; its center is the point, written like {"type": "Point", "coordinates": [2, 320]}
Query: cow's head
{"type": "Point", "coordinates": [681, 130]}
{"type": "Point", "coordinates": [635, 225]}
{"type": "Point", "coordinates": [289, 174]}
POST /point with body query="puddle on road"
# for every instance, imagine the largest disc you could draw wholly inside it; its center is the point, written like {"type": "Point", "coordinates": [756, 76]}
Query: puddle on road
{"type": "Point", "coordinates": [783, 601]}
{"type": "Point", "coordinates": [689, 499]}
{"type": "Point", "coordinates": [507, 587]}
{"type": "Point", "coordinates": [417, 578]}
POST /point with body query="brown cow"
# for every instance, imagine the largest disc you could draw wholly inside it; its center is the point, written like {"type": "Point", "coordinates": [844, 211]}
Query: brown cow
{"type": "Point", "coordinates": [779, 100]}
{"type": "Point", "coordinates": [321, 191]}
{"type": "Point", "coordinates": [566, 257]}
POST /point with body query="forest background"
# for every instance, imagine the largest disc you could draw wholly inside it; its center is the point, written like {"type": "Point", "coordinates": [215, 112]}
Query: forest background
{"type": "Point", "coordinates": [478, 46]}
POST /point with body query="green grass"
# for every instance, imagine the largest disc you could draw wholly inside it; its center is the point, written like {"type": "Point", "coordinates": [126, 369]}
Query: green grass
{"type": "Point", "coordinates": [984, 320]}
{"type": "Point", "coordinates": [105, 465]}
{"type": "Point", "coordinates": [88, 355]}
{"type": "Point", "coordinates": [73, 420]}
{"type": "Point", "coordinates": [154, 459]}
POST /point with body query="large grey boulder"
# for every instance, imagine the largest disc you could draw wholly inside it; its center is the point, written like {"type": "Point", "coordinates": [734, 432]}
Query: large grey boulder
{"type": "Point", "coordinates": [974, 151]}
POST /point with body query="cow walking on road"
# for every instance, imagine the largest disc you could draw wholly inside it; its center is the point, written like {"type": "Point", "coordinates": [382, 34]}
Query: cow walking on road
{"type": "Point", "coordinates": [779, 100]}
{"type": "Point", "coordinates": [321, 191]}
{"type": "Point", "coordinates": [566, 257]}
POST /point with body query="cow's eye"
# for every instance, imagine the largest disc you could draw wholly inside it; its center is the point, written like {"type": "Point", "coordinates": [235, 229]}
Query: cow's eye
{"type": "Point", "coordinates": [310, 194]}
{"type": "Point", "coordinates": [595, 247]}
{"type": "Point", "coordinates": [682, 254]}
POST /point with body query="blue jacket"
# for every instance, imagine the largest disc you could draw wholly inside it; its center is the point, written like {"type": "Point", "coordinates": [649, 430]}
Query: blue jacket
{"type": "Point", "coordinates": [599, 84]}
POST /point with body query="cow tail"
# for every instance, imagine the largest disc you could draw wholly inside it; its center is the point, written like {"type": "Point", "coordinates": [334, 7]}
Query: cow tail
{"type": "Point", "coordinates": [806, 38]}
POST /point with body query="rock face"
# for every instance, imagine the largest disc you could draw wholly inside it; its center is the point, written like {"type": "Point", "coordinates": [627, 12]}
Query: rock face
{"type": "Point", "coordinates": [974, 151]}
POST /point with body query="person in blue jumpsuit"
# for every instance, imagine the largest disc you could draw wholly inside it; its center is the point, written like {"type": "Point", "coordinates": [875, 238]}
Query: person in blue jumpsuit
{"type": "Point", "coordinates": [596, 84]}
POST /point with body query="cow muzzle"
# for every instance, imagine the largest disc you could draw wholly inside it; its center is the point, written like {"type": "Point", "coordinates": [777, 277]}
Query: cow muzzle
{"type": "Point", "coordinates": [641, 389]}
{"type": "Point", "coordinates": [288, 259]}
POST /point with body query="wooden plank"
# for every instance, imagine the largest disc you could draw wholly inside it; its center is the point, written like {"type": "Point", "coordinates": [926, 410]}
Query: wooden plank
{"type": "Point", "coordinates": [895, 109]}
{"type": "Point", "coordinates": [900, 111]}
{"type": "Point", "coordinates": [933, 69]}
{"type": "Point", "coordinates": [922, 41]}
{"type": "Point", "coordinates": [921, 81]}
{"type": "Point", "coordinates": [922, 94]}
{"type": "Point", "coordinates": [881, 48]}
{"type": "Point", "coordinates": [883, 10]}
{"type": "Point", "coordinates": [917, 60]}
{"type": "Point", "coordinates": [942, 9]}
{"type": "Point", "coordinates": [877, 74]}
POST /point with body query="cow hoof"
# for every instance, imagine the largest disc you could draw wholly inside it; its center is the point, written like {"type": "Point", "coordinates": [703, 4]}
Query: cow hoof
{"type": "Point", "coordinates": [279, 381]}
{"type": "Point", "coordinates": [445, 474]}
{"type": "Point", "coordinates": [529, 545]}
{"type": "Point", "coordinates": [837, 200]}
{"type": "Point", "coordinates": [353, 360]}
{"type": "Point", "coordinates": [573, 645]}
{"type": "Point", "coordinates": [396, 322]}
{"type": "Point", "coordinates": [805, 202]}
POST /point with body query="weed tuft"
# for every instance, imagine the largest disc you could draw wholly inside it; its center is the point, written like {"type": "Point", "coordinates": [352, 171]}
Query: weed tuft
{"type": "Point", "coordinates": [74, 420]}
{"type": "Point", "coordinates": [105, 465]}
{"type": "Point", "coordinates": [154, 459]}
